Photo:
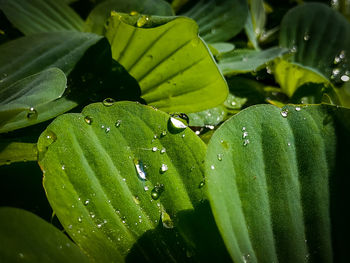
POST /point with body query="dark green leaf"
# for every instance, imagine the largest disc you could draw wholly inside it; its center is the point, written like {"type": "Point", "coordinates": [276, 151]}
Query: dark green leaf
{"type": "Point", "coordinates": [36, 16]}
{"type": "Point", "coordinates": [219, 20]}
{"type": "Point", "coordinates": [17, 152]}
{"type": "Point", "coordinates": [172, 65]}
{"type": "Point", "coordinates": [275, 177]}
{"type": "Point", "coordinates": [116, 174]}
{"type": "Point", "coordinates": [97, 19]}
{"type": "Point", "coordinates": [246, 60]}
{"type": "Point", "coordinates": [25, 237]}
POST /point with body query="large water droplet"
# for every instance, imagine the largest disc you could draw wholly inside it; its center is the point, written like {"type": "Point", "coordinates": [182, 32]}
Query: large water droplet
{"type": "Point", "coordinates": [142, 21]}
{"type": "Point", "coordinates": [163, 168]}
{"type": "Point", "coordinates": [108, 102]}
{"type": "Point", "coordinates": [140, 169]}
{"type": "Point", "coordinates": [284, 113]}
{"type": "Point", "coordinates": [88, 120]}
{"type": "Point", "coordinates": [32, 114]}
{"type": "Point", "coordinates": [157, 191]}
{"type": "Point", "coordinates": [178, 122]}
{"type": "Point", "coordinates": [345, 78]}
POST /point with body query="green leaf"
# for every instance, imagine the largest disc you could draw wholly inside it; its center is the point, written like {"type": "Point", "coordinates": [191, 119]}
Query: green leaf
{"type": "Point", "coordinates": [215, 18]}
{"type": "Point", "coordinates": [275, 177]}
{"type": "Point", "coordinates": [210, 117]}
{"type": "Point", "coordinates": [32, 54]}
{"type": "Point", "coordinates": [36, 16]}
{"type": "Point", "coordinates": [31, 92]}
{"type": "Point", "coordinates": [219, 48]}
{"type": "Point", "coordinates": [97, 19]}
{"type": "Point", "coordinates": [255, 21]}
{"type": "Point", "coordinates": [320, 39]}
{"type": "Point", "coordinates": [175, 74]}
{"type": "Point", "coordinates": [11, 152]}
{"type": "Point", "coordinates": [246, 60]}
{"type": "Point", "coordinates": [25, 237]}
{"type": "Point", "coordinates": [116, 174]}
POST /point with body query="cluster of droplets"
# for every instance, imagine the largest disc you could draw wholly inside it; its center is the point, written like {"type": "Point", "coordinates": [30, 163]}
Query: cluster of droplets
{"type": "Point", "coordinates": [245, 136]}
{"type": "Point", "coordinates": [340, 72]}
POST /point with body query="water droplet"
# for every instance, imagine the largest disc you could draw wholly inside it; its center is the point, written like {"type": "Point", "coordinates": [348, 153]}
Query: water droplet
{"type": "Point", "coordinates": [246, 142]}
{"type": "Point", "coordinates": [284, 113]}
{"type": "Point", "coordinates": [134, 13]}
{"type": "Point", "coordinates": [99, 225]}
{"type": "Point", "coordinates": [63, 167]}
{"type": "Point", "coordinates": [163, 168]}
{"type": "Point", "coordinates": [166, 220]}
{"type": "Point", "coordinates": [80, 219]}
{"type": "Point", "coordinates": [183, 136]}
{"type": "Point", "coordinates": [294, 49]}
{"type": "Point", "coordinates": [140, 169]}
{"type": "Point", "coordinates": [70, 226]}
{"type": "Point", "coordinates": [117, 124]}
{"type": "Point", "coordinates": [243, 128]}
{"type": "Point", "coordinates": [142, 21]}
{"type": "Point", "coordinates": [163, 134]}
{"type": "Point", "coordinates": [201, 184]}
{"type": "Point", "coordinates": [246, 258]}
{"type": "Point", "coordinates": [306, 36]}
{"type": "Point", "coordinates": [212, 167]}
{"type": "Point", "coordinates": [345, 78]}
{"type": "Point", "coordinates": [177, 124]}
{"type": "Point", "coordinates": [157, 191]}
{"type": "Point", "coordinates": [154, 149]}
{"type": "Point", "coordinates": [136, 200]}
{"type": "Point", "coordinates": [288, 144]}
{"type": "Point", "coordinates": [107, 130]}
{"type": "Point", "coordinates": [245, 134]}
{"type": "Point", "coordinates": [146, 188]}
{"type": "Point", "coordinates": [88, 120]}
{"type": "Point", "coordinates": [220, 156]}
{"type": "Point", "coordinates": [32, 114]}
{"type": "Point", "coordinates": [197, 132]}
{"type": "Point", "coordinates": [162, 151]}
{"type": "Point", "coordinates": [297, 108]}
{"type": "Point", "coordinates": [108, 102]}
{"type": "Point", "coordinates": [51, 137]}
{"type": "Point", "coordinates": [86, 202]}
{"type": "Point", "coordinates": [21, 255]}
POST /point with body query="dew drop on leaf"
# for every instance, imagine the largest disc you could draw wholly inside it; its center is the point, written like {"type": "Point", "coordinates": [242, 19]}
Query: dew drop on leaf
{"type": "Point", "coordinates": [108, 102]}
{"type": "Point", "coordinates": [32, 114]}
{"type": "Point", "coordinates": [162, 151]}
{"type": "Point", "coordinates": [166, 220]}
{"type": "Point", "coordinates": [80, 219]}
{"type": "Point", "coordinates": [219, 156]}
{"type": "Point", "coordinates": [117, 124]}
{"type": "Point", "coordinates": [88, 120]}
{"type": "Point", "coordinates": [297, 108]}
{"type": "Point", "coordinates": [157, 191]}
{"type": "Point", "coordinates": [163, 168]}
{"type": "Point", "coordinates": [212, 167]}
{"type": "Point", "coordinates": [154, 149]}
{"type": "Point", "coordinates": [246, 142]}
{"type": "Point", "coordinates": [86, 202]}
{"type": "Point", "coordinates": [140, 169]}
{"type": "Point", "coordinates": [201, 184]}
{"type": "Point", "coordinates": [284, 113]}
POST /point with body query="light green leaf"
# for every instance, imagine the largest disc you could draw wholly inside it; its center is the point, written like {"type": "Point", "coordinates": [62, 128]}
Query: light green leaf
{"type": "Point", "coordinates": [37, 16]}
{"type": "Point", "coordinates": [246, 60]}
{"type": "Point", "coordinates": [249, 30]}
{"type": "Point", "coordinates": [11, 152]}
{"type": "Point", "coordinates": [320, 39]}
{"type": "Point", "coordinates": [210, 117]}
{"type": "Point", "coordinates": [219, 20]}
{"type": "Point", "coordinates": [275, 177]}
{"type": "Point", "coordinates": [30, 55]}
{"type": "Point", "coordinates": [172, 65]}
{"type": "Point", "coordinates": [97, 19]}
{"type": "Point", "coordinates": [219, 48]}
{"type": "Point", "coordinates": [25, 237]}
{"type": "Point", "coordinates": [120, 178]}
{"type": "Point", "coordinates": [31, 92]}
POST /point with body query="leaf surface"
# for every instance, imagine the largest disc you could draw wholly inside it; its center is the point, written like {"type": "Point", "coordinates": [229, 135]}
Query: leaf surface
{"type": "Point", "coordinates": [37, 16]}
{"type": "Point", "coordinates": [25, 237]}
{"type": "Point", "coordinates": [274, 179]}
{"type": "Point", "coordinates": [175, 74]}
{"type": "Point", "coordinates": [103, 168]}
{"type": "Point", "coordinates": [97, 19]}
{"type": "Point", "coordinates": [215, 18]}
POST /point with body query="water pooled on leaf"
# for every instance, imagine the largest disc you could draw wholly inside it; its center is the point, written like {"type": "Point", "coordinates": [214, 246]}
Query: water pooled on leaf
{"type": "Point", "coordinates": [178, 122]}
{"type": "Point", "coordinates": [163, 168]}
{"type": "Point", "coordinates": [142, 21]}
{"type": "Point", "coordinates": [88, 120]}
{"type": "Point", "coordinates": [108, 102]}
{"type": "Point", "coordinates": [32, 114]}
{"type": "Point", "coordinates": [140, 169]}
{"type": "Point", "coordinates": [166, 220]}
{"type": "Point", "coordinates": [117, 124]}
{"type": "Point", "coordinates": [157, 191]}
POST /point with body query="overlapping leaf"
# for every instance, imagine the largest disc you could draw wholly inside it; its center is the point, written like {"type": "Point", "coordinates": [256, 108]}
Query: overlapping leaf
{"type": "Point", "coordinates": [219, 20]}
{"type": "Point", "coordinates": [275, 178]}
{"type": "Point", "coordinates": [37, 16]}
{"type": "Point", "coordinates": [172, 65]}
{"type": "Point", "coordinates": [97, 19]}
{"type": "Point", "coordinates": [119, 177]}
{"type": "Point", "coordinates": [28, 238]}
